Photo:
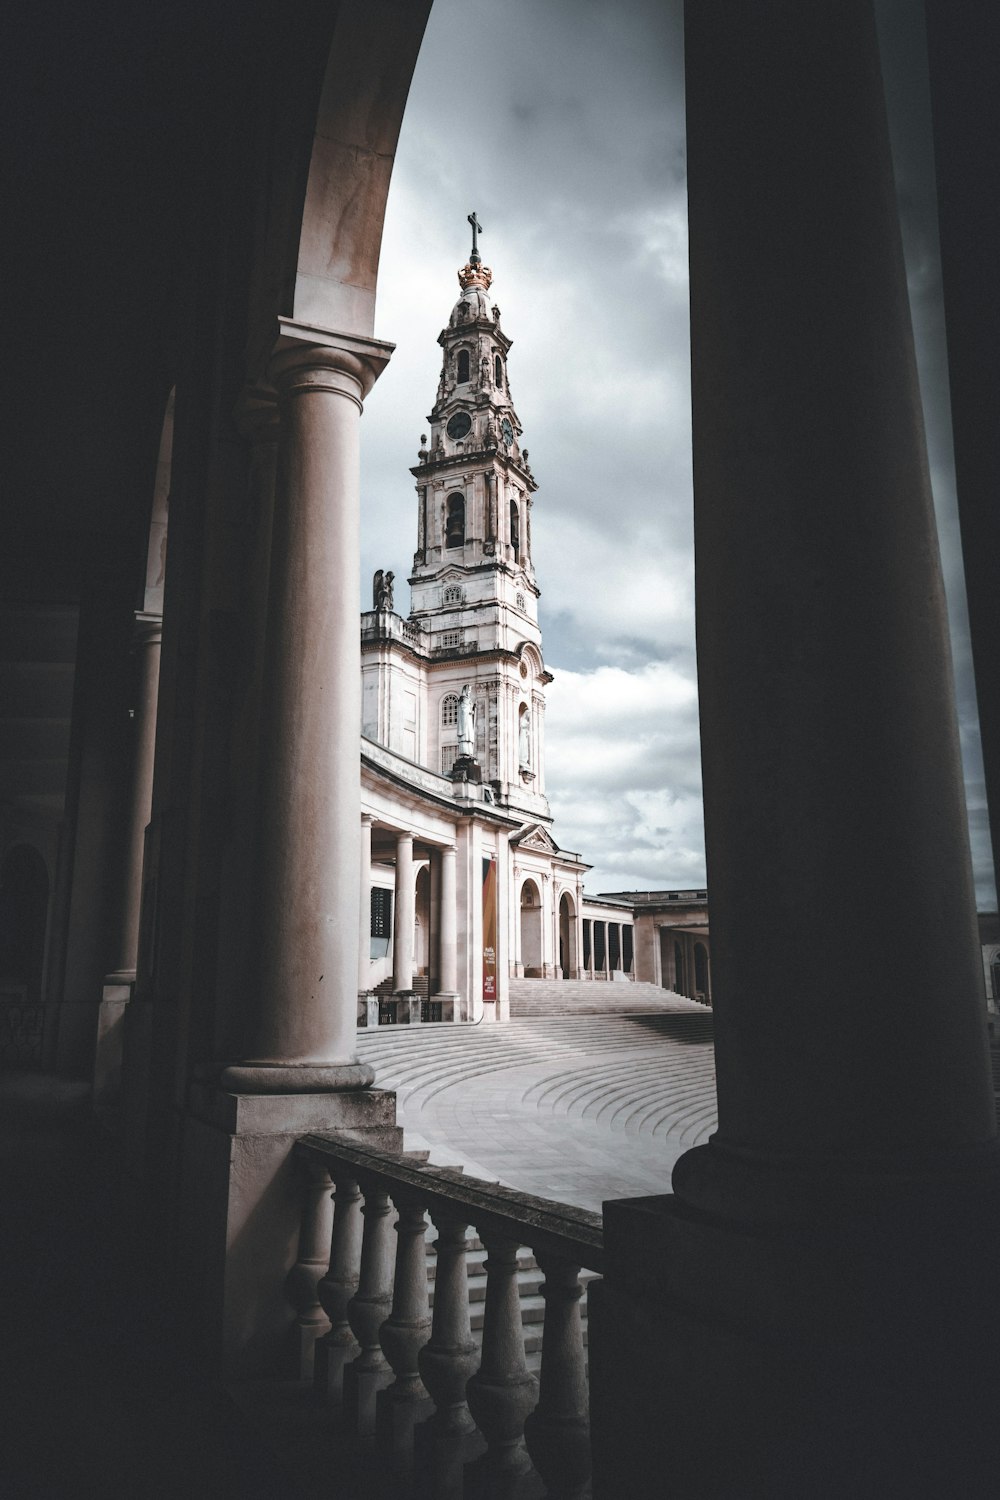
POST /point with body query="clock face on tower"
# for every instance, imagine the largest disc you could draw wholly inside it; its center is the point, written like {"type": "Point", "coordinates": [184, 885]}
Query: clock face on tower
{"type": "Point", "coordinates": [459, 425]}
{"type": "Point", "coordinates": [507, 431]}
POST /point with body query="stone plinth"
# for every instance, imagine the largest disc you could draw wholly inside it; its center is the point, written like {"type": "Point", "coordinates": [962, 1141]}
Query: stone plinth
{"type": "Point", "coordinates": [853, 1354]}
{"type": "Point", "coordinates": [240, 1207]}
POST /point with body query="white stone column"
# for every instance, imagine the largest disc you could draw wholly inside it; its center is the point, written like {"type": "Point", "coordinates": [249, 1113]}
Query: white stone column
{"type": "Point", "coordinates": [307, 900]}
{"type": "Point", "coordinates": [148, 635]}
{"type": "Point", "coordinates": [518, 957]}
{"type": "Point", "coordinates": [117, 987]}
{"type": "Point", "coordinates": [548, 962]}
{"type": "Point", "coordinates": [364, 913]}
{"type": "Point", "coordinates": [448, 967]}
{"type": "Point", "coordinates": [403, 917]}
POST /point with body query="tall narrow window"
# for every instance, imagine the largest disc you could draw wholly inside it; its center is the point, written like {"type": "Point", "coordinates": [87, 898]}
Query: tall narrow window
{"type": "Point", "coordinates": [515, 529]}
{"type": "Point", "coordinates": [454, 528]}
{"type": "Point", "coordinates": [449, 709]}
{"type": "Point", "coordinates": [497, 371]}
{"type": "Point", "coordinates": [463, 367]}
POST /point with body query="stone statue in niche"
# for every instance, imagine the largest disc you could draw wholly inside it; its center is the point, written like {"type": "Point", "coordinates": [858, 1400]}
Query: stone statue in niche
{"type": "Point", "coordinates": [524, 741]}
{"type": "Point", "coordinates": [466, 723]}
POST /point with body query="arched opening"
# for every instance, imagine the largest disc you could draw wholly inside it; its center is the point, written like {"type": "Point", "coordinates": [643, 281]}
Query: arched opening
{"type": "Point", "coordinates": [568, 960]}
{"type": "Point", "coordinates": [531, 930]}
{"type": "Point", "coordinates": [24, 906]}
{"type": "Point", "coordinates": [701, 985]}
{"type": "Point", "coordinates": [454, 527]}
{"type": "Point", "coordinates": [515, 529]}
{"type": "Point", "coordinates": [462, 367]}
{"type": "Point", "coordinates": [497, 371]}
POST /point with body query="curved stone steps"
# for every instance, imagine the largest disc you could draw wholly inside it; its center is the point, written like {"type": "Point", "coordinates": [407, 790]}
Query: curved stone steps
{"type": "Point", "coordinates": [576, 1109]}
{"type": "Point", "coordinates": [554, 997]}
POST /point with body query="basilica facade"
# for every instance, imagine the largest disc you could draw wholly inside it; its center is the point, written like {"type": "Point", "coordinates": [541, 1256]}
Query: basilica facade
{"type": "Point", "coordinates": [457, 847]}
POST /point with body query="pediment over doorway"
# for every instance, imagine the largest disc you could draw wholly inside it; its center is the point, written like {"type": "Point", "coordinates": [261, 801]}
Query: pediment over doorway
{"type": "Point", "coordinates": [537, 838]}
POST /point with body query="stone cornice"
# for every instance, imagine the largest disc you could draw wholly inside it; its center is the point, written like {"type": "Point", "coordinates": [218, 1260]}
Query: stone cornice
{"type": "Point", "coordinates": [483, 457]}
{"type": "Point", "coordinates": [427, 786]}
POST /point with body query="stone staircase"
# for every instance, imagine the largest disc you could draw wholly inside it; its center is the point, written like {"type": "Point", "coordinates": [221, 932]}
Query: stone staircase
{"type": "Point", "coordinates": [593, 997]}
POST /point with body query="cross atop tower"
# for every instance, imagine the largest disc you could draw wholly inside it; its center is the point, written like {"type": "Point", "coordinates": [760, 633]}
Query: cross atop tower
{"type": "Point", "coordinates": [475, 259]}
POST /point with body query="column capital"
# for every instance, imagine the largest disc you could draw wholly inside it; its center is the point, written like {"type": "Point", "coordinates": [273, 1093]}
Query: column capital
{"type": "Point", "coordinates": [309, 358]}
{"type": "Point", "coordinates": [367, 819]}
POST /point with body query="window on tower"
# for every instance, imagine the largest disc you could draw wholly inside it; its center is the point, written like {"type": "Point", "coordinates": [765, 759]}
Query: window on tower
{"type": "Point", "coordinates": [454, 526]}
{"type": "Point", "coordinates": [449, 709]}
{"type": "Point", "coordinates": [515, 529]}
{"type": "Point", "coordinates": [497, 370]}
{"type": "Point", "coordinates": [462, 374]}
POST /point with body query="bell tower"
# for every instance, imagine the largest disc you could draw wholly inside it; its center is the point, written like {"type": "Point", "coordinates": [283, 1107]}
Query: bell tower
{"type": "Point", "coordinates": [473, 589]}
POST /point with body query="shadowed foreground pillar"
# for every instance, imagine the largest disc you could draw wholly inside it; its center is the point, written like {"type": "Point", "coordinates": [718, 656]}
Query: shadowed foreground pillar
{"type": "Point", "coordinates": [299, 1070]}
{"type": "Point", "coordinates": [814, 1310]}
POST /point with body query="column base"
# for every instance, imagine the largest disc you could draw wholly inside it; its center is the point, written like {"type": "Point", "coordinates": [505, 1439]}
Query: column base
{"type": "Point", "coordinates": [239, 1207]}
{"type": "Point", "coordinates": [856, 1351]}
{"type": "Point", "coordinates": [266, 1077]}
{"type": "Point", "coordinates": [407, 1007]}
{"type": "Point", "coordinates": [453, 1006]}
{"type": "Point", "coordinates": [367, 1009]}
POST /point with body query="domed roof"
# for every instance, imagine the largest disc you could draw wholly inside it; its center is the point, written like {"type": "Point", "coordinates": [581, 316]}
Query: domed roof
{"type": "Point", "coordinates": [475, 302]}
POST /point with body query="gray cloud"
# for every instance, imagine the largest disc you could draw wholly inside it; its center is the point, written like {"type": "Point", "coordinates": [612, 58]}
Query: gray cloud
{"type": "Point", "coordinates": [562, 124]}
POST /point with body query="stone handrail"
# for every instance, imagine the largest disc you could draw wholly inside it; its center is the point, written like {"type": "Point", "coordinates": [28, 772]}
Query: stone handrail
{"type": "Point", "coordinates": [466, 1423]}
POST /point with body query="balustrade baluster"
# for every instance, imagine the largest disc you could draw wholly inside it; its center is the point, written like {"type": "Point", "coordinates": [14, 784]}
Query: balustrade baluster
{"type": "Point", "coordinates": [445, 1442]}
{"type": "Point", "coordinates": [502, 1393]}
{"type": "Point", "coordinates": [304, 1277]}
{"type": "Point", "coordinates": [366, 1375]}
{"type": "Point", "coordinates": [336, 1289]}
{"type": "Point", "coordinates": [403, 1334]}
{"type": "Point", "coordinates": [557, 1432]}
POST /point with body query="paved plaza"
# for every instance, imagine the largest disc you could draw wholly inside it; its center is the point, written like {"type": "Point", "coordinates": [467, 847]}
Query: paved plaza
{"type": "Point", "coordinates": [575, 1108]}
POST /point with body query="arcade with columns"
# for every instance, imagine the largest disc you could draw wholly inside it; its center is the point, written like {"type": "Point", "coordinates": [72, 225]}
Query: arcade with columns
{"type": "Point", "coordinates": [810, 1307]}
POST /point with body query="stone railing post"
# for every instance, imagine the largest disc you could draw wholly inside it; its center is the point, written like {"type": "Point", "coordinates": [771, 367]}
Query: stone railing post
{"type": "Point", "coordinates": [366, 1375]}
{"type": "Point", "coordinates": [336, 1289]}
{"type": "Point", "coordinates": [557, 1432]}
{"type": "Point", "coordinates": [403, 1334]}
{"type": "Point", "coordinates": [449, 1438]}
{"type": "Point", "coordinates": [304, 1277]}
{"type": "Point", "coordinates": [502, 1392]}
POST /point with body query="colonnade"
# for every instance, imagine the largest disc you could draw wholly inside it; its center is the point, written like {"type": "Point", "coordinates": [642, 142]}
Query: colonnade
{"type": "Point", "coordinates": [608, 948]}
{"type": "Point", "coordinates": [442, 952]}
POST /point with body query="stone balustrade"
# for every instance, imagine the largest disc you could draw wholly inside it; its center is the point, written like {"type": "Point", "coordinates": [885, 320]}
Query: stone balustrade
{"type": "Point", "coordinates": [442, 1418]}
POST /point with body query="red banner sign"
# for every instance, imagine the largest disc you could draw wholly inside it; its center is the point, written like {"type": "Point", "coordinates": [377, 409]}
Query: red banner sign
{"type": "Point", "coordinates": [490, 930]}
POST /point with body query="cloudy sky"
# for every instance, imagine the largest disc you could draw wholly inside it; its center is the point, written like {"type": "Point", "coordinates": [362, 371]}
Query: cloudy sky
{"type": "Point", "coordinates": [561, 122]}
